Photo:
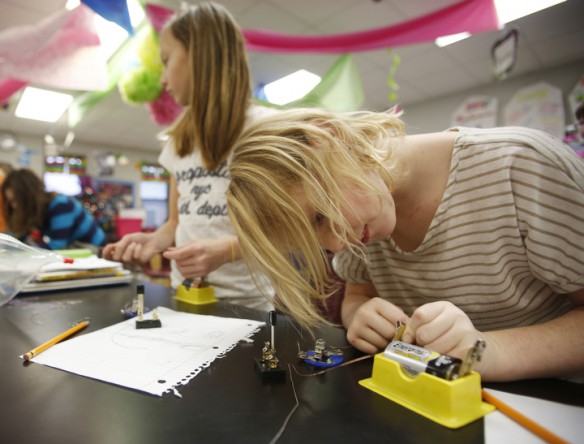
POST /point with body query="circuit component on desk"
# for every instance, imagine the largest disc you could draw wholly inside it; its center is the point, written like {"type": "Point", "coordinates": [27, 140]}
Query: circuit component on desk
{"type": "Point", "coordinates": [269, 358]}
{"type": "Point", "coordinates": [400, 329]}
{"type": "Point", "coordinates": [130, 310]}
{"type": "Point", "coordinates": [474, 355]}
{"type": "Point", "coordinates": [195, 283]}
{"type": "Point", "coordinates": [415, 360]}
{"type": "Point", "coordinates": [140, 321]}
{"type": "Point", "coordinates": [268, 366]}
{"type": "Point", "coordinates": [322, 356]}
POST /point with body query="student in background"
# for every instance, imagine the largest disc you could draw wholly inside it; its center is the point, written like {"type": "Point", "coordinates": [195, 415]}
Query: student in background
{"type": "Point", "coordinates": [49, 220]}
{"type": "Point", "coordinates": [465, 234]}
{"type": "Point", "coordinates": [579, 114]}
{"type": "Point", "coordinates": [206, 70]}
{"type": "Point", "coordinates": [5, 169]}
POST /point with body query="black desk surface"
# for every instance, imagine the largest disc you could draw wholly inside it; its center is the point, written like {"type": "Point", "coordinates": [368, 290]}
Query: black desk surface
{"type": "Point", "coordinates": [226, 403]}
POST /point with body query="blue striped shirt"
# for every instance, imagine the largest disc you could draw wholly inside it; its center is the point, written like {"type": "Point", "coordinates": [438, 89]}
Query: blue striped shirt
{"type": "Point", "coordinates": [68, 221]}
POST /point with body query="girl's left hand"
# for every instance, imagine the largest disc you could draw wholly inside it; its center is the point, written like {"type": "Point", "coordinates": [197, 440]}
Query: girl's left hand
{"type": "Point", "coordinates": [442, 327]}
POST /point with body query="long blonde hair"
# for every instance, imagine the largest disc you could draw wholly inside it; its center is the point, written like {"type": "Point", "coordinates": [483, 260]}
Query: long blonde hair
{"type": "Point", "coordinates": [312, 152]}
{"type": "Point", "coordinates": [220, 82]}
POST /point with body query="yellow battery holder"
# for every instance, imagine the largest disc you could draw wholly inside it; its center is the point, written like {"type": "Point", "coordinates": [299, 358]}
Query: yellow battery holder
{"type": "Point", "coordinates": [451, 403]}
{"type": "Point", "coordinates": [196, 295]}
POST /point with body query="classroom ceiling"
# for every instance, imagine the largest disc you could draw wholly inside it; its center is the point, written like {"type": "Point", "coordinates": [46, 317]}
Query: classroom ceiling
{"type": "Point", "coordinates": [548, 38]}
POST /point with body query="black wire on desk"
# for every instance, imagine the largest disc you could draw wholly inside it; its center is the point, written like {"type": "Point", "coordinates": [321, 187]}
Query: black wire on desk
{"type": "Point", "coordinates": [297, 404]}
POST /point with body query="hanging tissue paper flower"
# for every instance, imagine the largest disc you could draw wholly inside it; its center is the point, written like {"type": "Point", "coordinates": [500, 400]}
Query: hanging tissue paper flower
{"type": "Point", "coordinates": [141, 84]}
{"type": "Point", "coordinates": [164, 110]}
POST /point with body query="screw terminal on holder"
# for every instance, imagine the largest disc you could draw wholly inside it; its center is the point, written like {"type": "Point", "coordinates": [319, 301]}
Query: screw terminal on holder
{"type": "Point", "coordinates": [322, 356]}
{"type": "Point", "coordinates": [268, 366]}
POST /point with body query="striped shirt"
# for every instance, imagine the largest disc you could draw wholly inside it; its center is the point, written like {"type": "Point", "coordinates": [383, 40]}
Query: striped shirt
{"type": "Point", "coordinates": [507, 241]}
{"type": "Point", "coordinates": [68, 221]}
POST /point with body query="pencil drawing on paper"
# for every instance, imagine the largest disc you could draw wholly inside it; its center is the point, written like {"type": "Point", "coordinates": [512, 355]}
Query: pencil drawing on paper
{"type": "Point", "coordinates": [151, 360]}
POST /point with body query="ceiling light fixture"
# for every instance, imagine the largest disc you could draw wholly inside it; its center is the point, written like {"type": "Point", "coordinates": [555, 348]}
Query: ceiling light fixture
{"type": "Point", "coordinates": [42, 104]}
{"type": "Point", "coordinates": [507, 11]}
{"type": "Point", "coordinates": [291, 87]}
{"type": "Point", "coordinates": [450, 39]}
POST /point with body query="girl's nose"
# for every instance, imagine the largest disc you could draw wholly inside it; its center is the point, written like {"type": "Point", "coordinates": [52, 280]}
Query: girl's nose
{"type": "Point", "coordinates": [329, 241]}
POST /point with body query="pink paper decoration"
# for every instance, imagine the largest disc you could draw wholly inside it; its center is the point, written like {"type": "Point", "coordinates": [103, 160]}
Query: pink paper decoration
{"type": "Point", "coordinates": [164, 110]}
{"type": "Point", "coordinates": [158, 15]}
{"type": "Point", "coordinates": [62, 51]}
{"type": "Point", "coordinates": [8, 87]}
{"type": "Point", "coordinates": [466, 16]}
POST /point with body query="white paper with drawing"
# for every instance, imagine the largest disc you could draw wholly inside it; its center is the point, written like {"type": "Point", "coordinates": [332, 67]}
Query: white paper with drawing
{"type": "Point", "coordinates": [153, 360]}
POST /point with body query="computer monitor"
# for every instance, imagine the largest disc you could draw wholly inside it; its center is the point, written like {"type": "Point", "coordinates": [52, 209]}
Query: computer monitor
{"type": "Point", "coordinates": [63, 183]}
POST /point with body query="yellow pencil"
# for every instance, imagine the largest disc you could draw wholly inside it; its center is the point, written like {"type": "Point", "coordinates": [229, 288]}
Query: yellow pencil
{"type": "Point", "coordinates": [56, 339]}
{"type": "Point", "coordinates": [523, 420]}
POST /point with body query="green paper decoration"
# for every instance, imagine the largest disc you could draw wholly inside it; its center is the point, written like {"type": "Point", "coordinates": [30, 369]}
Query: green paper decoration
{"type": "Point", "coordinates": [393, 86]}
{"type": "Point", "coordinates": [339, 90]}
{"type": "Point", "coordinates": [139, 86]}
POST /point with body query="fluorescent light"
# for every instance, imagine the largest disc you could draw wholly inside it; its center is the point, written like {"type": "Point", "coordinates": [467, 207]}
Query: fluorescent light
{"type": "Point", "coordinates": [450, 39]}
{"type": "Point", "coordinates": [43, 105]}
{"type": "Point", "coordinates": [507, 11]}
{"type": "Point", "coordinates": [72, 4]}
{"type": "Point", "coordinates": [291, 87]}
{"type": "Point", "coordinates": [515, 9]}
{"type": "Point", "coordinates": [110, 35]}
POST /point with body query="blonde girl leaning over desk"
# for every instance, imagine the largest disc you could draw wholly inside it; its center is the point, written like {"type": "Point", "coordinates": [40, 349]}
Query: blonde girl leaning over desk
{"type": "Point", "coordinates": [206, 70]}
{"type": "Point", "coordinates": [463, 234]}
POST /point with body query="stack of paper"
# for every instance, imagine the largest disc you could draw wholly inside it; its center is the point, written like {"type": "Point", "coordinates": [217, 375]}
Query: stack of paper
{"type": "Point", "coordinates": [83, 272]}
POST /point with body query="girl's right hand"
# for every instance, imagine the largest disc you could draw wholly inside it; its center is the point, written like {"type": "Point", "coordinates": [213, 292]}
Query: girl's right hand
{"type": "Point", "coordinates": [374, 324]}
{"type": "Point", "coordinates": [134, 248]}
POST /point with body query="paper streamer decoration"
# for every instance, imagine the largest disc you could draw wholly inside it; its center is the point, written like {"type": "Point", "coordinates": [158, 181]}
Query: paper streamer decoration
{"type": "Point", "coordinates": [113, 10]}
{"type": "Point", "coordinates": [61, 51]}
{"type": "Point", "coordinates": [466, 16]}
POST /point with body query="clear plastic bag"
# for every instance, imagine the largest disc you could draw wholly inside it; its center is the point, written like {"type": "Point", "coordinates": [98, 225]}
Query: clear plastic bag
{"type": "Point", "coordinates": [19, 264]}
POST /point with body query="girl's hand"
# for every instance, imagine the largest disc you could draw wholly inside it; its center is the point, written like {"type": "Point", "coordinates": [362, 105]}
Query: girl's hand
{"type": "Point", "coordinates": [200, 257]}
{"type": "Point", "coordinates": [442, 327]}
{"type": "Point", "coordinates": [374, 325]}
{"type": "Point", "coordinates": [134, 248]}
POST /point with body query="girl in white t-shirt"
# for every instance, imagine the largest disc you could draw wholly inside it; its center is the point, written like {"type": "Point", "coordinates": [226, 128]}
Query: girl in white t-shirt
{"type": "Point", "coordinates": [205, 70]}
